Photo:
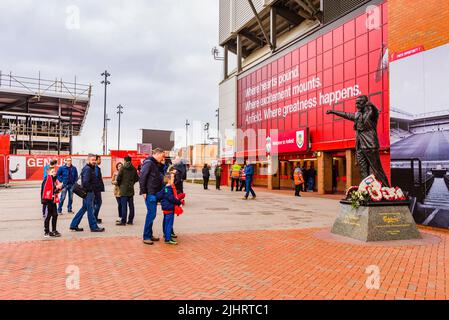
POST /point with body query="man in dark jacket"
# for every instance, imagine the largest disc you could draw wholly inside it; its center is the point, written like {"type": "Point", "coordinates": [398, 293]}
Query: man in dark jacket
{"type": "Point", "coordinates": [68, 175]}
{"type": "Point", "coordinates": [151, 182]}
{"type": "Point", "coordinates": [88, 181]}
{"type": "Point", "coordinates": [126, 179]}
{"type": "Point", "coordinates": [206, 176]}
{"type": "Point", "coordinates": [249, 173]}
{"type": "Point", "coordinates": [217, 173]}
{"type": "Point", "coordinates": [98, 189]}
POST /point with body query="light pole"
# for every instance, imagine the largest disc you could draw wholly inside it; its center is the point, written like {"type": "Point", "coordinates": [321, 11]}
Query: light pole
{"type": "Point", "coordinates": [106, 82]}
{"type": "Point", "coordinates": [107, 125]}
{"type": "Point", "coordinates": [206, 135]}
{"type": "Point", "coordinates": [119, 112]}
{"type": "Point", "coordinates": [218, 133]}
{"type": "Point", "coordinates": [187, 134]}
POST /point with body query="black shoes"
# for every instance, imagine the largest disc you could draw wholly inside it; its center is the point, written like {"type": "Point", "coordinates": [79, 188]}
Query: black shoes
{"type": "Point", "coordinates": [55, 234]}
{"type": "Point", "coordinates": [120, 224]}
{"type": "Point", "coordinates": [155, 239]}
{"type": "Point", "coordinates": [99, 221]}
{"type": "Point", "coordinates": [130, 223]}
{"type": "Point", "coordinates": [81, 229]}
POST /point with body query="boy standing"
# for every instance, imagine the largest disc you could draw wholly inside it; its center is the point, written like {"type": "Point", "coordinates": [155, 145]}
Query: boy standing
{"type": "Point", "coordinates": [49, 198]}
{"type": "Point", "coordinates": [169, 201]}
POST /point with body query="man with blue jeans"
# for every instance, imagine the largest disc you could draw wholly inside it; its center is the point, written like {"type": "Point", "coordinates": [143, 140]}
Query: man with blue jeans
{"type": "Point", "coordinates": [68, 175]}
{"type": "Point", "coordinates": [151, 182]}
{"type": "Point", "coordinates": [98, 189]}
{"type": "Point", "coordinates": [249, 173]}
{"type": "Point", "coordinates": [88, 182]}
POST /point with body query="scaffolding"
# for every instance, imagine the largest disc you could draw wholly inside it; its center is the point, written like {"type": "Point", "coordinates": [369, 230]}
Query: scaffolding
{"type": "Point", "coordinates": [40, 115]}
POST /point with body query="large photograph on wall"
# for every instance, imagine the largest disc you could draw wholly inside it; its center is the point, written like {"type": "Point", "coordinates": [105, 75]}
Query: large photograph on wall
{"type": "Point", "coordinates": [420, 131]}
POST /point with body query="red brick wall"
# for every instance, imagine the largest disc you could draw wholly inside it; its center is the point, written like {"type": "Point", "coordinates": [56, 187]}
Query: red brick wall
{"type": "Point", "coordinates": [417, 22]}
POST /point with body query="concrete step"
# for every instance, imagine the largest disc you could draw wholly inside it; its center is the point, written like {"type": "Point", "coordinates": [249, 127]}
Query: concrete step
{"type": "Point", "coordinates": [436, 205]}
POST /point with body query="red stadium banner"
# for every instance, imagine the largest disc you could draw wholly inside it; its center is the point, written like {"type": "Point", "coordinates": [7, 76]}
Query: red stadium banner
{"type": "Point", "coordinates": [4, 144]}
{"type": "Point", "coordinates": [407, 53]}
{"type": "Point", "coordinates": [31, 168]}
{"type": "Point", "coordinates": [291, 141]}
{"type": "Point", "coordinates": [4, 151]}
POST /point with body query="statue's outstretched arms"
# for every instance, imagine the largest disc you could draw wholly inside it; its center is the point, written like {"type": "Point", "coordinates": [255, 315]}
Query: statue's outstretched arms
{"type": "Point", "coordinates": [344, 115]}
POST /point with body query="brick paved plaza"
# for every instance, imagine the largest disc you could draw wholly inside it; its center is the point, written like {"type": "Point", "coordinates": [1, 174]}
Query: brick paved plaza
{"type": "Point", "coordinates": [276, 247]}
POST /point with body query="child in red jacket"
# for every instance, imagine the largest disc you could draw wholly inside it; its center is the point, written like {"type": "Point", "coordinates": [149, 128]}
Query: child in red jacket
{"type": "Point", "coordinates": [169, 202]}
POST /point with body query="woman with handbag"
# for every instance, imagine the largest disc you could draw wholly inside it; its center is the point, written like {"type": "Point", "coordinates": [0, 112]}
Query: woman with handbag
{"type": "Point", "coordinates": [116, 190]}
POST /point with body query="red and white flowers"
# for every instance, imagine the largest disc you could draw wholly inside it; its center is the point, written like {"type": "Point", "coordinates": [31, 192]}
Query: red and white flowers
{"type": "Point", "coordinates": [371, 190]}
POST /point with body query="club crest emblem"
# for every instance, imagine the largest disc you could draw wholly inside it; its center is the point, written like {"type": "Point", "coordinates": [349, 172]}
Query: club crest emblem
{"type": "Point", "coordinates": [268, 145]}
{"type": "Point", "coordinates": [300, 139]}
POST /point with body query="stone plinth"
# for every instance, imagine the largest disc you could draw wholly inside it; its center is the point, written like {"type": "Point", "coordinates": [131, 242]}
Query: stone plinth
{"type": "Point", "coordinates": [380, 221]}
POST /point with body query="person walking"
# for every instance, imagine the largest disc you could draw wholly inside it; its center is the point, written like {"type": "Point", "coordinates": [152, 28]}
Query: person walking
{"type": "Point", "coordinates": [116, 190]}
{"type": "Point", "coordinates": [67, 175]}
{"type": "Point", "coordinates": [249, 173]}
{"type": "Point", "coordinates": [49, 197]}
{"type": "Point", "coordinates": [299, 180]}
{"type": "Point", "coordinates": [235, 175]}
{"type": "Point", "coordinates": [242, 179]}
{"type": "Point", "coordinates": [88, 182]}
{"type": "Point", "coordinates": [206, 176]}
{"type": "Point", "coordinates": [218, 171]}
{"type": "Point", "coordinates": [98, 189]}
{"type": "Point", "coordinates": [126, 179]}
{"type": "Point", "coordinates": [151, 182]}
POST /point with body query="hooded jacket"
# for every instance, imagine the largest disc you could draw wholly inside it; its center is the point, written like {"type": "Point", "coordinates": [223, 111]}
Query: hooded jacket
{"type": "Point", "coordinates": [151, 177]}
{"type": "Point", "coordinates": [168, 199]}
{"type": "Point", "coordinates": [126, 179]}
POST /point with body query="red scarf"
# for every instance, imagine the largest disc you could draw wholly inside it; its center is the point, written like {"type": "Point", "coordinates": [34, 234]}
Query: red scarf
{"type": "Point", "coordinates": [49, 192]}
{"type": "Point", "coordinates": [178, 210]}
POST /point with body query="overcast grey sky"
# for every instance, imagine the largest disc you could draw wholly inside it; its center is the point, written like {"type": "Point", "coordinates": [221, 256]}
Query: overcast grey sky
{"type": "Point", "coordinates": [158, 52]}
{"type": "Point", "coordinates": [419, 84]}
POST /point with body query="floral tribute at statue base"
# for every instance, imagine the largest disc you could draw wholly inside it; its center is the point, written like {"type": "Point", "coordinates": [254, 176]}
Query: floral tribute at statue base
{"type": "Point", "coordinates": [371, 212]}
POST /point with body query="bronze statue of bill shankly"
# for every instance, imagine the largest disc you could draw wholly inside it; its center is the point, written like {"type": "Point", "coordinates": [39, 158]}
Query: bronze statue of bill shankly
{"type": "Point", "coordinates": [367, 143]}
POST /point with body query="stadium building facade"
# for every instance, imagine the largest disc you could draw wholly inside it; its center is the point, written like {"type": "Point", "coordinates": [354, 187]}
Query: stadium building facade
{"type": "Point", "coordinates": [295, 60]}
{"type": "Point", "coordinates": [41, 116]}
